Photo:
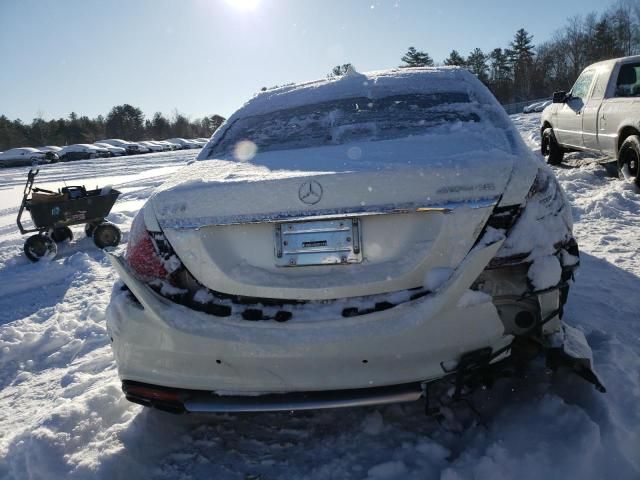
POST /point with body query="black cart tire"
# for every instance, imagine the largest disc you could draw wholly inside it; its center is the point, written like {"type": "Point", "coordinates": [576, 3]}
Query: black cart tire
{"type": "Point", "coordinates": [106, 235]}
{"type": "Point", "coordinates": [551, 151]}
{"type": "Point", "coordinates": [38, 246]}
{"type": "Point", "coordinates": [61, 234]}
{"type": "Point", "coordinates": [629, 157]}
{"type": "Point", "coordinates": [89, 228]}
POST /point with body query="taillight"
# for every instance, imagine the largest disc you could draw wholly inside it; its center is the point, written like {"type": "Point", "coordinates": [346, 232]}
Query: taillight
{"type": "Point", "coordinates": [142, 255]}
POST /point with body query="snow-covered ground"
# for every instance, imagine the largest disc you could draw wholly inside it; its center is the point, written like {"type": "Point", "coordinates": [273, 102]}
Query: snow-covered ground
{"type": "Point", "coordinates": [62, 414]}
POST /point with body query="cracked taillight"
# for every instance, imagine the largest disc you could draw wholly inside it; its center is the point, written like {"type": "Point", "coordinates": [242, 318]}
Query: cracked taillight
{"type": "Point", "coordinates": [142, 254]}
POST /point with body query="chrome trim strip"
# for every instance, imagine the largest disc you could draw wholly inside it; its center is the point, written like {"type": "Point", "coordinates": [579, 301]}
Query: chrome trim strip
{"type": "Point", "coordinates": [212, 403]}
{"type": "Point", "coordinates": [328, 214]}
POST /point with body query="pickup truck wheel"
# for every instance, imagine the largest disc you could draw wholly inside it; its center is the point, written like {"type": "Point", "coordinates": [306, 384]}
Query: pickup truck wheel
{"type": "Point", "coordinates": [629, 158]}
{"type": "Point", "coordinates": [551, 151]}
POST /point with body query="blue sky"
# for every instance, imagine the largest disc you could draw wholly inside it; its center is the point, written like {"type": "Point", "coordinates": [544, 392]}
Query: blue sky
{"type": "Point", "coordinates": [209, 56]}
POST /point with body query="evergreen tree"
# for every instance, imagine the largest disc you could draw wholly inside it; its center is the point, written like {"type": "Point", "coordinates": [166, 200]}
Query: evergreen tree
{"type": "Point", "coordinates": [455, 60]}
{"type": "Point", "coordinates": [477, 63]}
{"type": "Point", "coordinates": [125, 121]}
{"type": "Point", "coordinates": [521, 47]}
{"type": "Point", "coordinates": [521, 56]}
{"type": "Point", "coordinates": [416, 58]}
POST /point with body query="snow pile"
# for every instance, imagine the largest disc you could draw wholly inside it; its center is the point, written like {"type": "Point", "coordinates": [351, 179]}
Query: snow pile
{"type": "Point", "coordinates": [545, 272]}
{"type": "Point", "coordinates": [62, 415]}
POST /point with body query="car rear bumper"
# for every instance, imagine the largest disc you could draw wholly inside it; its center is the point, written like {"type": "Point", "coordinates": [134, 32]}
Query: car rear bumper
{"type": "Point", "coordinates": [158, 342]}
{"type": "Point", "coordinates": [202, 401]}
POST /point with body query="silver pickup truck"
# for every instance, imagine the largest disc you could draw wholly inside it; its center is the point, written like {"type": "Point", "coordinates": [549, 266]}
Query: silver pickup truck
{"type": "Point", "coordinates": [600, 114]}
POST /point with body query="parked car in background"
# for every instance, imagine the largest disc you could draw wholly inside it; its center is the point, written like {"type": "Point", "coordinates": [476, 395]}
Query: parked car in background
{"type": "Point", "coordinates": [26, 156]}
{"type": "Point", "coordinates": [152, 146]}
{"type": "Point", "coordinates": [342, 266]}
{"type": "Point", "coordinates": [82, 151]}
{"type": "Point", "coordinates": [531, 108]}
{"type": "Point", "coordinates": [50, 148]}
{"type": "Point", "coordinates": [130, 147]}
{"type": "Point", "coordinates": [200, 143]}
{"type": "Point", "coordinates": [542, 106]}
{"type": "Point", "coordinates": [167, 145]}
{"type": "Point", "coordinates": [173, 145]}
{"type": "Point", "coordinates": [601, 113]}
{"type": "Point", "coordinates": [184, 143]}
{"type": "Point", "coordinates": [113, 151]}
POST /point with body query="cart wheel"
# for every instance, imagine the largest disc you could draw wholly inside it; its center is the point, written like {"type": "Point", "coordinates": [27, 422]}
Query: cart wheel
{"type": "Point", "coordinates": [61, 234]}
{"type": "Point", "coordinates": [38, 246]}
{"type": "Point", "coordinates": [106, 235]}
{"type": "Point", "coordinates": [89, 228]}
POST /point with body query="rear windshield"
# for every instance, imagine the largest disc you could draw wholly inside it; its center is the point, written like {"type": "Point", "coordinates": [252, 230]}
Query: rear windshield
{"type": "Point", "coordinates": [344, 121]}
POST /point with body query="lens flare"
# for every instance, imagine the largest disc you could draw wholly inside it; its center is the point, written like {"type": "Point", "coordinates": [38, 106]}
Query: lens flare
{"type": "Point", "coordinates": [245, 150]}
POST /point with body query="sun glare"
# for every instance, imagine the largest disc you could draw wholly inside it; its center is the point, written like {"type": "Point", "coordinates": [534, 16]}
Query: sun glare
{"type": "Point", "coordinates": [244, 4]}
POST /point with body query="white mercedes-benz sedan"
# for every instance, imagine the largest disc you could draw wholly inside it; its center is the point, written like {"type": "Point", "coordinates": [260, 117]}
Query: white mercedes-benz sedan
{"type": "Point", "coordinates": [346, 242]}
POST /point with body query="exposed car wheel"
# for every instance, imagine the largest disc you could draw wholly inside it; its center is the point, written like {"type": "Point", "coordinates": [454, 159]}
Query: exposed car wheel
{"type": "Point", "coordinates": [62, 234]}
{"type": "Point", "coordinates": [38, 246]}
{"type": "Point", "coordinates": [629, 158]}
{"type": "Point", "coordinates": [551, 151]}
{"type": "Point", "coordinates": [106, 235]}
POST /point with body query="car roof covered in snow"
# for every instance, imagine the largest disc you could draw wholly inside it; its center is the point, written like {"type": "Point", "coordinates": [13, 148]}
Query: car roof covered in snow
{"type": "Point", "coordinates": [376, 84]}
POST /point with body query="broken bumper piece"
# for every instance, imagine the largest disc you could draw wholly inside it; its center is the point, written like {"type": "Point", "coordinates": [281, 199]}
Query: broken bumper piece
{"type": "Point", "coordinates": [570, 349]}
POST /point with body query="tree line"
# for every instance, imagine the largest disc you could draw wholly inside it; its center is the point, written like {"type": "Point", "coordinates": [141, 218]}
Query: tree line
{"type": "Point", "coordinates": [522, 71]}
{"type": "Point", "coordinates": [123, 121]}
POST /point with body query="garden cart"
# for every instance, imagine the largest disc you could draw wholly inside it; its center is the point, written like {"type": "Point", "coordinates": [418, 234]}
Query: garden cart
{"type": "Point", "coordinates": [53, 212]}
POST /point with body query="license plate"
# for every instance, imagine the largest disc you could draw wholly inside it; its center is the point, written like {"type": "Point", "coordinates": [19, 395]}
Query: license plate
{"type": "Point", "coordinates": [322, 242]}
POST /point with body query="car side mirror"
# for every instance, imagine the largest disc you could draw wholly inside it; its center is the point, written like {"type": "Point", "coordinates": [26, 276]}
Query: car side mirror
{"type": "Point", "coordinates": [559, 97]}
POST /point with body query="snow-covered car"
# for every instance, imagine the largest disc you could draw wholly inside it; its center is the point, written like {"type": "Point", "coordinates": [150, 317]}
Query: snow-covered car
{"type": "Point", "coordinates": [130, 147]}
{"type": "Point", "coordinates": [346, 242]}
{"type": "Point", "coordinates": [15, 157]}
{"type": "Point", "coordinates": [50, 148]}
{"type": "Point", "coordinates": [82, 151]}
{"type": "Point", "coordinates": [531, 108]}
{"type": "Point", "coordinates": [113, 151]}
{"type": "Point", "coordinates": [173, 145]}
{"type": "Point", "coordinates": [542, 106]}
{"type": "Point", "coordinates": [169, 146]}
{"type": "Point", "coordinates": [153, 147]}
{"type": "Point", "coordinates": [184, 143]}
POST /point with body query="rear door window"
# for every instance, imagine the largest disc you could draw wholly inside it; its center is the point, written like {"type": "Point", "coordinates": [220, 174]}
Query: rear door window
{"type": "Point", "coordinates": [628, 81]}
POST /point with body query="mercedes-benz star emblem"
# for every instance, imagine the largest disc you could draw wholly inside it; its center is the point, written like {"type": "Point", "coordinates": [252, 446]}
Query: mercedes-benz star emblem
{"type": "Point", "coordinates": [310, 192]}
